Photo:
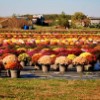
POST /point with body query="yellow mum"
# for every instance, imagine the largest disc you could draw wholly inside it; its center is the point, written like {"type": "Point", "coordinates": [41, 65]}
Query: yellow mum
{"type": "Point", "coordinates": [85, 54]}
{"type": "Point", "coordinates": [71, 56]}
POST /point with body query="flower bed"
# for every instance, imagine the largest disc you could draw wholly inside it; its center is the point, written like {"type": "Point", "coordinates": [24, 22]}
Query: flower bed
{"type": "Point", "coordinates": [35, 46]}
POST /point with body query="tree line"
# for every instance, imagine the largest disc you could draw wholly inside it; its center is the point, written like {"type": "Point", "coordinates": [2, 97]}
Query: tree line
{"type": "Point", "coordinates": [78, 20]}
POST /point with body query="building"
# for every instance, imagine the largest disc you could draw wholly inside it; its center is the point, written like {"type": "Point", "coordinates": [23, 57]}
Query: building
{"type": "Point", "coordinates": [38, 19]}
{"type": "Point", "coordinates": [95, 20]}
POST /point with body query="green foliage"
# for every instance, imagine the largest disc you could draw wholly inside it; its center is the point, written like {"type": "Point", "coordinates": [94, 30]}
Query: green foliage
{"type": "Point", "coordinates": [95, 26]}
{"type": "Point", "coordinates": [14, 15]}
{"type": "Point", "coordinates": [80, 20]}
{"type": "Point", "coordinates": [51, 16]}
{"type": "Point", "coordinates": [23, 57]}
{"type": "Point", "coordinates": [58, 19]}
{"type": "Point", "coordinates": [78, 16]}
{"type": "Point", "coordinates": [63, 20]}
{"type": "Point", "coordinates": [29, 17]}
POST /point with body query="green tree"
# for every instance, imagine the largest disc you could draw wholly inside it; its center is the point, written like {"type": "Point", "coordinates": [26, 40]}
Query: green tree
{"type": "Point", "coordinates": [78, 16]}
{"type": "Point", "coordinates": [80, 20]}
{"type": "Point", "coordinates": [29, 17]}
{"type": "Point", "coordinates": [58, 19]}
{"type": "Point", "coordinates": [63, 20]}
{"type": "Point", "coordinates": [14, 15]}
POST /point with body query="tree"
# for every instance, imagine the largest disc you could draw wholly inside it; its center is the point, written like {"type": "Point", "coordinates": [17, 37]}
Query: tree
{"type": "Point", "coordinates": [78, 16]}
{"type": "Point", "coordinates": [63, 20]}
{"type": "Point", "coordinates": [80, 19]}
{"type": "Point", "coordinates": [56, 19]}
{"type": "Point", "coordinates": [14, 15]}
{"type": "Point", "coordinates": [87, 22]}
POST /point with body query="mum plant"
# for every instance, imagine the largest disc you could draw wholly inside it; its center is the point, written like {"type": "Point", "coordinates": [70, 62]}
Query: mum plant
{"type": "Point", "coordinates": [11, 62]}
{"type": "Point", "coordinates": [24, 57]}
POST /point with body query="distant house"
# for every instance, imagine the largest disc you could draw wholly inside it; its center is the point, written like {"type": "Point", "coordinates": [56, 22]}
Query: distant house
{"type": "Point", "coordinates": [38, 19]}
{"type": "Point", "coordinates": [95, 20]}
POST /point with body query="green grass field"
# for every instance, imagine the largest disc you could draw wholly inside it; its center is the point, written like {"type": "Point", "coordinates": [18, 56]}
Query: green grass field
{"type": "Point", "coordinates": [52, 89]}
{"type": "Point", "coordinates": [53, 28]}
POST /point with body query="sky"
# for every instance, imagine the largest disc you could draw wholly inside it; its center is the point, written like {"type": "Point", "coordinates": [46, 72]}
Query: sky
{"type": "Point", "coordinates": [90, 8]}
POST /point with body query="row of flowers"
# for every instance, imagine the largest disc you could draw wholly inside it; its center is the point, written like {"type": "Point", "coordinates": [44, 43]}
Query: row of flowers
{"type": "Point", "coordinates": [83, 58]}
{"type": "Point", "coordinates": [43, 35]}
{"type": "Point", "coordinates": [44, 56]}
{"type": "Point", "coordinates": [57, 50]}
{"type": "Point", "coordinates": [11, 61]}
{"type": "Point", "coordinates": [48, 49]}
{"type": "Point", "coordinates": [51, 41]}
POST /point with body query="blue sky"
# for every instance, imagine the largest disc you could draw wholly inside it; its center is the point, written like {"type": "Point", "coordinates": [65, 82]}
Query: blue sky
{"type": "Point", "coordinates": [88, 7]}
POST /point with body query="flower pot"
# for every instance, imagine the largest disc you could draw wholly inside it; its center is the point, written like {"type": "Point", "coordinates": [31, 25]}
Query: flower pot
{"type": "Point", "coordinates": [62, 68]}
{"type": "Point", "coordinates": [8, 73]}
{"type": "Point", "coordinates": [70, 66]}
{"type": "Point", "coordinates": [15, 73]}
{"type": "Point", "coordinates": [45, 68]}
{"type": "Point", "coordinates": [36, 67]}
{"type": "Point", "coordinates": [22, 64]}
{"type": "Point", "coordinates": [79, 68]}
{"type": "Point", "coordinates": [30, 63]}
{"type": "Point", "coordinates": [54, 67]}
{"type": "Point", "coordinates": [87, 67]}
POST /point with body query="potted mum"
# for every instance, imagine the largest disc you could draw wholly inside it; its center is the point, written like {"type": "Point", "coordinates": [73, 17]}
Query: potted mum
{"type": "Point", "coordinates": [35, 59]}
{"type": "Point", "coordinates": [79, 62]}
{"type": "Point", "coordinates": [24, 59]}
{"type": "Point", "coordinates": [45, 62]}
{"type": "Point", "coordinates": [70, 58]}
{"type": "Point", "coordinates": [91, 59]}
{"type": "Point", "coordinates": [11, 63]}
{"type": "Point", "coordinates": [53, 66]}
{"type": "Point", "coordinates": [61, 61]}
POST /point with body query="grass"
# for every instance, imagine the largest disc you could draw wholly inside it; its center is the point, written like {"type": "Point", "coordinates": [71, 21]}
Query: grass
{"type": "Point", "coordinates": [52, 89]}
{"type": "Point", "coordinates": [48, 29]}
{"type": "Point", "coordinates": [53, 28]}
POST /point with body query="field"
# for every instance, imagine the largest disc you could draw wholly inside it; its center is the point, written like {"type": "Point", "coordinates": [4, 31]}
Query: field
{"type": "Point", "coordinates": [54, 45]}
{"type": "Point", "coordinates": [38, 89]}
